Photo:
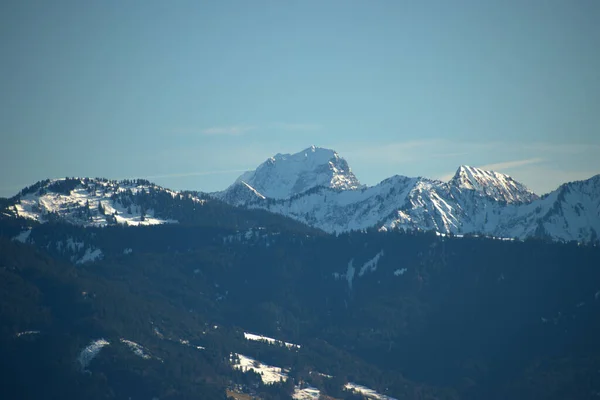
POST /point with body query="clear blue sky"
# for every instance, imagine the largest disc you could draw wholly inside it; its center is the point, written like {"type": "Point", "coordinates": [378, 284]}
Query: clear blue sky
{"type": "Point", "coordinates": [188, 93]}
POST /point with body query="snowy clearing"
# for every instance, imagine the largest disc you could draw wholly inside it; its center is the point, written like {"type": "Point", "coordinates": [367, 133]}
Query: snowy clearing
{"type": "Point", "coordinates": [90, 352]}
{"type": "Point", "coordinates": [137, 349]}
{"type": "Point", "coordinates": [90, 256]}
{"type": "Point", "coordinates": [307, 393]}
{"type": "Point", "coordinates": [260, 338]}
{"type": "Point", "coordinates": [365, 391]}
{"type": "Point", "coordinates": [371, 265]}
{"type": "Point", "coordinates": [268, 373]}
{"type": "Point", "coordinates": [26, 333]}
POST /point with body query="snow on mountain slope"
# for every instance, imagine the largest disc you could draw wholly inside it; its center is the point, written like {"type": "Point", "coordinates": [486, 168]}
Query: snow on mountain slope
{"type": "Point", "coordinates": [468, 203]}
{"type": "Point", "coordinates": [91, 202]}
{"type": "Point", "coordinates": [453, 207]}
{"type": "Point", "coordinates": [285, 175]}
{"type": "Point", "coordinates": [340, 211]}
{"type": "Point", "coordinates": [495, 185]}
{"type": "Point", "coordinates": [240, 193]}
{"type": "Point", "coordinates": [317, 187]}
{"type": "Point", "coordinates": [572, 212]}
{"type": "Point", "coordinates": [397, 202]}
{"type": "Point", "coordinates": [429, 206]}
{"type": "Point", "coordinates": [474, 201]}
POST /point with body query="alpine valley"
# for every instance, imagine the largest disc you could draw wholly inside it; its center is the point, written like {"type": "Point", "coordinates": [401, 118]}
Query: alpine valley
{"type": "Point", "coordinates": [297, 281]}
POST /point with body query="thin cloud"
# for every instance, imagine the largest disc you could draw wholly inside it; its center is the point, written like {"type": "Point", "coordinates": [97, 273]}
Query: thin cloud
{"type": "Point", "coordinates": [563, 148]}
{"type": "Point", "coordinates": [400, 152]}
{"type": "Point", "coordinates": [227, 130]}
{"type": "Point", "coordinates": [511, 164]}
{"type": "Point", "coordinates": [198, 173]}
{"type": "Point", "coordinates": [543, 178]}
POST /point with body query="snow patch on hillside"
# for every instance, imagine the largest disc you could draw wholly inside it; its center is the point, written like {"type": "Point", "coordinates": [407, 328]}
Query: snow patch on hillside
{"type": "Point", "coordinates": [260, 338]}
{"type": "Point", "coordinates": [23, 237]}
{"type": "Point", "coordinates": [371, 265]}
{"type": "Point", "coordinates": [306, 393]}
{"type": "Point", "coordinates": [90, 256]}
{"type": "Point", "coordinates": [269, 374]}
{"type": "Point", "coordinates": [90, 352]}
{"type": "Point", "coordinates": [259, 195]}
{"type": "Point", "coordinates": [27, 333]}
{"type": "Point", "coordinates": [365, 391]}
{"type": "Point", "coordinates": [350, 273]}
{"type": "Point", "coordinates": [136, 348]}
{"type": "Point", "coordinates": [73, 245]}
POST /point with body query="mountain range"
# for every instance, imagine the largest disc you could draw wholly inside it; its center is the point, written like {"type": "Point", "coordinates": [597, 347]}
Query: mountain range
{"type": "Point", "coordinates": [318, 188]}
{"type": "Point", "coordinates": [176, 311]}
{"type": "Point", "coordinates": [299, 282]}
{"type": "Point", "coordinates": [322, 191]}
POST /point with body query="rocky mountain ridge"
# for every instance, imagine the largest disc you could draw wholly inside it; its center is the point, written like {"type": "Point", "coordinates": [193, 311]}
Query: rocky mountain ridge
{"type": "Point", "coordinates": [317, 187]}
{"type": "Point", "coordinates": [474, 201]}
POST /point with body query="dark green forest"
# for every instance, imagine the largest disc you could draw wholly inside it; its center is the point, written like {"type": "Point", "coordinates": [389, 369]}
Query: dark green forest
{"type": "Point", "coordinates": [435, 318]}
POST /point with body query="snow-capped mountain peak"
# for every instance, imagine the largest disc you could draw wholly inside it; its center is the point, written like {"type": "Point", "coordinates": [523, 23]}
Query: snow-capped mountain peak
{"type": "Point", "coordinates": [496, 185]}
{"type": "Point", "coordinates": [306, 186]}
{"type": "Point", "coordinates": [285, 175]}
{"type": "Point", "coordinates": [316, 186]}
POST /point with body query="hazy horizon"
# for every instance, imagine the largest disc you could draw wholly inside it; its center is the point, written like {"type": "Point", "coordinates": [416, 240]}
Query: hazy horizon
{"type": "Point", "coordinates": [238, 173]}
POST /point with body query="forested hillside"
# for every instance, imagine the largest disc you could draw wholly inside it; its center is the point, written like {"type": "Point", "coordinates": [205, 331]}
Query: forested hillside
{"type": "Point", "coordinates": [415, 316]}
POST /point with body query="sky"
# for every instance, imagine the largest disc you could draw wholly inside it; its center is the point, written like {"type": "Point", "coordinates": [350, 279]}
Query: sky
{"type": "Point", "coordinates": [189, 94]}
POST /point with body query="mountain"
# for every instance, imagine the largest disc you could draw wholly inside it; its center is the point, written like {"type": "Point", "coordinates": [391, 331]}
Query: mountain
{"type": "Point", "coordinates": [572, 212]}
{"type": "Point", "coordinates": [316, 187]}
{"type": "Point", "coordinates": [495, 185]}
{"type": "Point", "coordinates": [125, 289]}
{"type": "Point", "coordinates": [286, 175]}
{"type": "Point", "coordinates": [98, 202]}
{"type": "Point", "coordinates": [93, 202]}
